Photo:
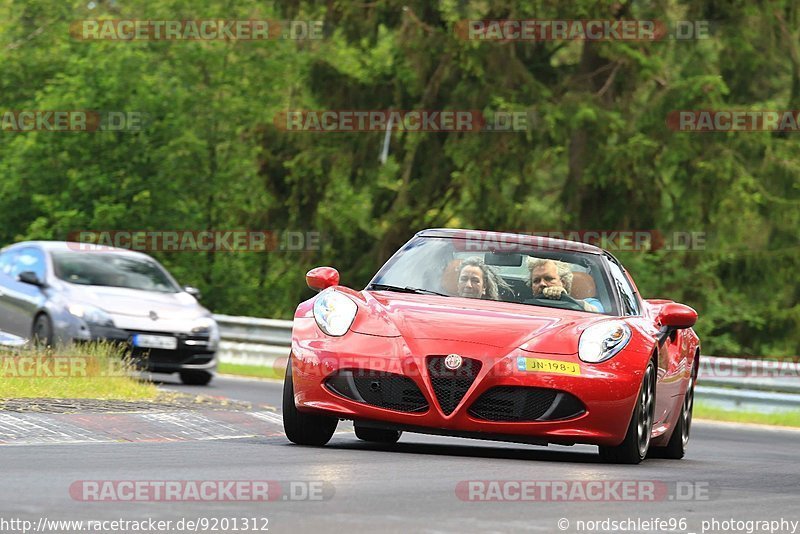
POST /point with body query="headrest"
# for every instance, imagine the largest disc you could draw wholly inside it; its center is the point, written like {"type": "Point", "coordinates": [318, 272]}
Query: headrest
{"type": "Point", "coordinates": [583, 286]}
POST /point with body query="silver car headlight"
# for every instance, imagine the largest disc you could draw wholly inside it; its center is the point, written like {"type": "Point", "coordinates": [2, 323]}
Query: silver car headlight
{"type": "Point", "coordinates": [334, 313]}
{"type": "Point", "coordinates": [207, 325]}
{"type": "Point", "coordinates": [91, 314]}
{"type": "Point", "coordinates": [602, 341]}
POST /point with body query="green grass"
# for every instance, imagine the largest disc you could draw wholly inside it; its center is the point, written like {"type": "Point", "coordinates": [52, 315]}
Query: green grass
{"type": "Point", "coordinates": [85, 371]}
{"type": "Point", "coordinates": [704, 411]}
{"type": "Point", "coordinates": [250, 370]}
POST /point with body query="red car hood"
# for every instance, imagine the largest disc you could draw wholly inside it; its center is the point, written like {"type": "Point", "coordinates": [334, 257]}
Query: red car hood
{"type": "Point", "coordinates": [498, 324]}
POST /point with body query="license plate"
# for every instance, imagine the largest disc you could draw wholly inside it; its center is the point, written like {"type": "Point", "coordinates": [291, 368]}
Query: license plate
{"type": "Point", "coordinates": [548, 366]}
{"type": "Point", "coordinates": [147, 341]}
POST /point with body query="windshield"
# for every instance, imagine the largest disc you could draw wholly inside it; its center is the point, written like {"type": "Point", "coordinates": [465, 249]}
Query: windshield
{"type": "Point", "coordinates": [520, 274]}
{"type": "Point", "coordinates": [112, 270]}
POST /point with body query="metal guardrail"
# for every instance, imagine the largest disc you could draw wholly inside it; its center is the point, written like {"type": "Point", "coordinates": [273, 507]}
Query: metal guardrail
{"type": "Point", "coordinates": [253, 341]}
{"type": "Point", "coordinates": [728, 382]}
{"type": "Point", "coordinates": [759, 385]}
{"type": "Point", "coordinates": [747, 399]}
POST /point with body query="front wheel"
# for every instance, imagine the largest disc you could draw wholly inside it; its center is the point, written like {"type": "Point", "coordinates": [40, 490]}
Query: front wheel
{"type": "Point", "coordinates": [633, 448]}
{"type": "Point", "coordinates": [304, 428]}
{"type": "Point", "coordinates": [42, 331]}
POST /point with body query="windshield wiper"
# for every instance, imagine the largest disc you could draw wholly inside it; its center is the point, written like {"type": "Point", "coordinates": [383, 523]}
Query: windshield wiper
{"type": "Point", "coordinates": [407, 289]}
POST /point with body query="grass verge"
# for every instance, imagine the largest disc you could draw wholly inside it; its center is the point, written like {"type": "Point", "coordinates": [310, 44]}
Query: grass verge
{"type": "Point", "coordinates": [250, 370]}
{"type": "Point", "coordinates": [85, 371]}
{"type": "Point", "coordinates": [705, 411]}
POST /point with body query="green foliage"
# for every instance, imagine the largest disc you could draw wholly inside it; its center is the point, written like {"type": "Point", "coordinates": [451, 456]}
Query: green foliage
{"type": "Point", "coordinates": [597, 153]}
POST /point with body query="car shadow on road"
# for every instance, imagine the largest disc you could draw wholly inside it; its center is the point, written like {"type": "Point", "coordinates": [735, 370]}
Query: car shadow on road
{"type": "Point", "coordinates": [473, 451]}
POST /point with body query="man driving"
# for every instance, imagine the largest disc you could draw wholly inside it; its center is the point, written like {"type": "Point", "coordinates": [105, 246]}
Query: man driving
{"type": "Point", "coordinates": [552, 279]}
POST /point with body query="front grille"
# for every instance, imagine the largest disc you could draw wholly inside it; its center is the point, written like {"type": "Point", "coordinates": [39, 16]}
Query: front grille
{"type": "Point", "coordinates": [520, 404]}
{"type": "Point", "coordinates": [156, 358]}
{"type": "Point", "coordinates": [450, 386]}
{"type": "Point", "coordinates": [198, 337]}
{"type": "Point", "coordinates": [378, 388]}
{"type": "Point", "coordinates": [195, 352]}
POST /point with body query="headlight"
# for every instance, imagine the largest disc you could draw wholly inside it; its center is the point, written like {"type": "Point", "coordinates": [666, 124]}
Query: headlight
{"type": "Point", "coordinates": [207, 325]}
{"type": "Point", "coordinates": [602, 341]}
{"type": "Point", "coordinates": [91, 314]}
{"type": "Point", "coordinates": [334, 313]}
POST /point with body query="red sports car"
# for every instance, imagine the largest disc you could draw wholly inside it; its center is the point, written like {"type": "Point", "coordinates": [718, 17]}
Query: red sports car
{"type": "Point", "coordinates": [494, 336]}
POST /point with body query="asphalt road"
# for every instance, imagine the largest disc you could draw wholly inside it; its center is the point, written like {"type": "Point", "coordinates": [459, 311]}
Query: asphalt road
{"type": "Point", "coordinates": [730, 473]}
{"type": "Point", "coordinates": [259, 392]}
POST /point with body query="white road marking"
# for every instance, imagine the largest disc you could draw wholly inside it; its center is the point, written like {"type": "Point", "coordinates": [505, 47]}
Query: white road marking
{"type": "Point", "coordinates": [272, 417]}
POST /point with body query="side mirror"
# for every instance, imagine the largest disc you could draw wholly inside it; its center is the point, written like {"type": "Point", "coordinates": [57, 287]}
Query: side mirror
{"type": "Point", "coordinates": [193, 291]}
{"type": "Point", "coordinates": [29, 277]}
{"type": "Point", "coordinates": [674, 315]}
{"type": "Point", "coordinates": [321, 278]}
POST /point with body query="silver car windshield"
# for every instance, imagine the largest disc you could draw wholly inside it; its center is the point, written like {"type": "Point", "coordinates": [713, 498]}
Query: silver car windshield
{"type": "Point", "coordinates": [111, 270]}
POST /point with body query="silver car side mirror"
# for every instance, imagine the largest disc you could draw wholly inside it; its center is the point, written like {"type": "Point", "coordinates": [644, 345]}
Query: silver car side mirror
{"type": "Point", "coordinates": [193, 291]}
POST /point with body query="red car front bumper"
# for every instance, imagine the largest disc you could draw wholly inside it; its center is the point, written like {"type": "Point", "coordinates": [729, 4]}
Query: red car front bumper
{"type": "Point", "coordinates": [608, 391]}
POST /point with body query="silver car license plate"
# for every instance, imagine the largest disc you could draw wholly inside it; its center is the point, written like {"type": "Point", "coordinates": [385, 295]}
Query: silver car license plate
{"type": "Point", "coordinates": [148, 341]}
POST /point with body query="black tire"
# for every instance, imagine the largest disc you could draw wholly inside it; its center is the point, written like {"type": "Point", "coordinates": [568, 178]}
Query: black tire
{"type": "Point", "coordinates": [42, 331]}
{"type": "Point", "coordinates": [377, 435]}
{"type": "Point", "coordinates": [679, 441]}
{"type": "Point", "coordinates": [634, 447]}
{"type": "Point", "coordinates": [195, 378]}
{"type": "Point", "coordinates": [304, 428]}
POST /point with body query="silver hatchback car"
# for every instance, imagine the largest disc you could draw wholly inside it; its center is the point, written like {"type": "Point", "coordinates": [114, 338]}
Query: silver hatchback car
{"type": "Point", "coordinates": [57, 292]}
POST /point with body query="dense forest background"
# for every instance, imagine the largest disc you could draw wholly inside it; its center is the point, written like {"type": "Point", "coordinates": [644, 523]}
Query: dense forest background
{"type": "Point", "coordinates": [597, 155]}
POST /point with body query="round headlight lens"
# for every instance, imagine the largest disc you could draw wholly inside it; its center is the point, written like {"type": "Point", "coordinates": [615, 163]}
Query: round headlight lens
{"type": "Point", "coordinates": [603, 341]}
{"type": "Point", "coordinates": [334, 313]}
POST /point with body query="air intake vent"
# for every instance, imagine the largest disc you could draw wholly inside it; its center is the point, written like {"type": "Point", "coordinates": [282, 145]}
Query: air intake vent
{"type": "Point", "coordinates": [521, 404]}
{"type": "Point", "coordinates": [376, 388]}
{"type": "Point", "coordinates": [450, 386]}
